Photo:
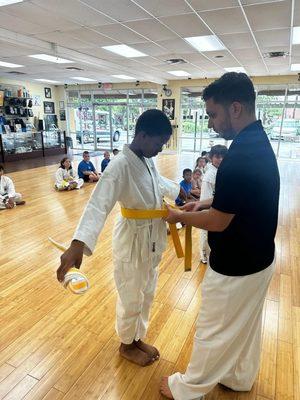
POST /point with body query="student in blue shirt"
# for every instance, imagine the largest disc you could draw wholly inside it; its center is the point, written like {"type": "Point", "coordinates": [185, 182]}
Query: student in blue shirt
{"type": "Point", "coordinates": [105, 160]}
{"type": "Point", "coordinates": [86, 169]}
{"type": "Point", "coordinates": [186, 185]}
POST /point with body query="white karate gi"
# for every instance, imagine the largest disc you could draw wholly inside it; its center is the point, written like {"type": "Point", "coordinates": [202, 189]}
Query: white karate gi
{"type": "Point", "coordinates": [63, 175]}
{"type": "Point", "coordinates": [228, 335]}
{"type": "Point", "coordinates": [207, 192]}
{"type": "Point", "coordinates": [137, 244]}
{"type": "Point", "coordinates": [7, 191]}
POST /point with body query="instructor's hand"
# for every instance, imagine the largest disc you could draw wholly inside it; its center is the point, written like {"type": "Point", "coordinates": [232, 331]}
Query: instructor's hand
{"type": "Point", "coordinates": [70, 258]}
{"type": "Point", "coordinates": [192, 206]}
{"type": "Point", "coordinates": [173, 215]}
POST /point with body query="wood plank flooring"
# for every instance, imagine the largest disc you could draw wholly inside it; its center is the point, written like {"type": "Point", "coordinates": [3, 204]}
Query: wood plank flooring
{"type": "Point", "coordinates": [58, 346]}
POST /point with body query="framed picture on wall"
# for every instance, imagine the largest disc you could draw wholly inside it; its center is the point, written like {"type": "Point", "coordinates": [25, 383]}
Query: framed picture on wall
{"type": "Point", "coordinates": [49, 107]}
{"type": "Point", "coordinates": [47, 91]}
{"type": "Point", "coordinates": [168, 107]}
{"type": "Point", "coordinates": [62, 115]}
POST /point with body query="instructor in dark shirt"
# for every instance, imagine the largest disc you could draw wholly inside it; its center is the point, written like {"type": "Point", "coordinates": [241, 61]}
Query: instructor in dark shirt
{"type": "Point", "coordinates": [241, 222]}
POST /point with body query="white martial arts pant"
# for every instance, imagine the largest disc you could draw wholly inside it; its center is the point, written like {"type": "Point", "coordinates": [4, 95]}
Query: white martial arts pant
{"type": "Point", "coordinates": [228, 335]}
{"type": "Point", "coordinates": [204, 248]}
{"type": "Point", "coordinates": [4, 198]}
{"type": "Point", "coordinates": [136, 283]}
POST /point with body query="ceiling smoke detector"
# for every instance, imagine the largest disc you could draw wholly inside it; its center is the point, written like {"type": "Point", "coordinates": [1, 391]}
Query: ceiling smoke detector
{"type": "Point", "coordinates": [276, 54]}
{"type": "Point", "coordinates": [74, 69]}
{"type": "Point", "coordinates": [174, 61]}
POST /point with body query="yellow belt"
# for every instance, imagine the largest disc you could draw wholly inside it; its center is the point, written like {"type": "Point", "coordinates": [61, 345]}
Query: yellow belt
{"type": "Point", "coordinates": [161, 213]}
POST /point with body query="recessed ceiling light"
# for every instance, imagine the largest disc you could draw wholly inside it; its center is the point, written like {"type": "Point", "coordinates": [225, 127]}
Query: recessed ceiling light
{"type": "Point", "coordinates": [295, 67]}
{"type": "Point", "coordinates": [179, 73]}
{"type": "Point", "coordinates": [10, 65]}
{"type": "Point", "coordinates": [296, 35]}
{"type": "Point", "coordinates": [124, 50]}
{"type": "Point", "coordinates": [123, 77]}
{"type": "Point", "coordinates": [46, 80]}
{"type": "Point", "coordinates": [235, 69]}
{"type": "Point", "coordinates": [46, 57]}
{"type": "Point", "coordinates": [205, 43]}
{"type": "Point", "coordinates": [6, 2]}
{"type": "Point", "coordinates": [82, 78]}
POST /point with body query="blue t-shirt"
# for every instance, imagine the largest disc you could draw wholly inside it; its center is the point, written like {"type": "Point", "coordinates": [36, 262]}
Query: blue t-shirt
{"type": "Point", "coordinates": [104, 164]}
{"type": "Point", "coordinates": [187, 187]}
{"type": "Point", "coordinates": [85, 166]}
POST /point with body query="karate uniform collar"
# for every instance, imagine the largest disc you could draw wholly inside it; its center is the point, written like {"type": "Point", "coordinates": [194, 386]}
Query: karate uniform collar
{"type": "Point", "coordinates": [134, 158]}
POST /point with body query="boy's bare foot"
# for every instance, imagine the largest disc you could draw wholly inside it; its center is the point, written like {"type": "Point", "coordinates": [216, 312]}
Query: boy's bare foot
{"type": "Point", "coordinates": [164, 388]}
{"type": "Point", "coordinates": [147, 348]}
{"type": "Point", "coordinates": [135, 355]}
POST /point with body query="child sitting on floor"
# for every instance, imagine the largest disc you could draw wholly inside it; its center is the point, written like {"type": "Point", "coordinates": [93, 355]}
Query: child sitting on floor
{"type": "Point", "coordinates": [66, 178]}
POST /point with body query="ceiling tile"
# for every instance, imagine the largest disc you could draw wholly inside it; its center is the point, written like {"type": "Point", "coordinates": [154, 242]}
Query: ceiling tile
{"type": "Point", "coordinates": [122, 11]}
{"type": "Point", "coordinates": [18, 25]}
{"type": "Point", "coordinates": [151, 49]}
{"type": "Point", "coordinates": [152, 29]}
{"type": "Point", "coordinates": [178, 45]}
{"type": "Point", "coordinates": [30, 12]}
{"type": "Point", "coordinates": [91, 36]}
{"type": "Point", "coordinates": [75, 11]}
{"type": "Point", "coordinates": [278, 37]}
{"type": "Point", "coordinates": [244, 55]}
{"type": "Point", "coordinates": [120, 33]}
{"type": "Point", "coordinates": [230, 20]}
{"type": "Point", "coordinates": [165, 8]}
{"type": "Point", "coordinates": [63, 39]}
{"type": "Point", "coordinates": [204, 5]}
{"type": "Point", "coordinates": [186, 25]}
{"type": "Point", "coordinates": [240, 41]}
{"type": "Point", "coordinates": [269, 16]}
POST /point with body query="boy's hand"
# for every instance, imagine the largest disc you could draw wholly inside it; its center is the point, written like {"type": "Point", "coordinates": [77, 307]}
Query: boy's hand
{"type": "Point", "coordinates": [173, 215]}
{"type": "Point", "coordinates": [70, 258]}
{"type": "Point", "coordinates": [192, 206]}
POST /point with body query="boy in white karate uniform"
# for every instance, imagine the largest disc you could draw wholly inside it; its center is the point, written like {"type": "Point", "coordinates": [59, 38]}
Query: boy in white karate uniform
{"type": "Point", "coordinates": [8, 196]}
{"type": "Point", "coordinates": [132, 180]}
{"type": "Point", "coordinates": [216, 155]}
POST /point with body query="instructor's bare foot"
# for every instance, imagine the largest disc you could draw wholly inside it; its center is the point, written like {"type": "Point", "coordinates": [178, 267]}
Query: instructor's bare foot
{"type": "Point", "coordinates": [135, 355]}
{"type": "Point", "coordinates": [164, 388]}
{"type": "Point", "coordinates": [147, 348]}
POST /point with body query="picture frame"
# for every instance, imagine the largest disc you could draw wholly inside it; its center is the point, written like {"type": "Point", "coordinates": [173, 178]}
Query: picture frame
{"type": "Point", "coordinates": [168, 107]}
{"type": "Point", "coordinates": [36, 100]}
{"type": "Point", "coordinates": [49, 107]}
{"type": "Point", "coordinates": [48, 94]}
{"type": "Point", "coordinates": [61, 105]}
{"type": "Point", "coordinates": [62, 115]}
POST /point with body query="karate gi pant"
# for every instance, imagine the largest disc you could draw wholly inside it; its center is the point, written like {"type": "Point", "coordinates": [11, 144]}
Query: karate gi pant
{"type": "Point", "coordinates": [4, 199]}
{"type": "Point", "coordinates": [204, 248]}
{"type": "Point", "coordinates": [136, 283]}
{"type": "Point", "coordinates": [228, 335]}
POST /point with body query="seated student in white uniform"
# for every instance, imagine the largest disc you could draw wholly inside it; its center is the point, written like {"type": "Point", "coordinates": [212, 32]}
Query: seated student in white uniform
{"type": "Point", "coordinates": [65, 176]}
{"type": "Point", "coordinates": [216, 155]}
{"type": "Point", "coordinates": [8, 196]}
{"type": "Point", "coordinates": [132, 180]}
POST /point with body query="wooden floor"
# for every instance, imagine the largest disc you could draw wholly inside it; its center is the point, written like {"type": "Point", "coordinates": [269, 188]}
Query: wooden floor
{"type": "Point", "coordinates": [55, 345]}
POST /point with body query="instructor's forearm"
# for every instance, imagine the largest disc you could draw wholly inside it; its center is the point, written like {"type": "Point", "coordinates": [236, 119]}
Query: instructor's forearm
{"type": "Point", "coordinates": [205, 204]}
{"type": "Point", "coordinates": [197, 219]}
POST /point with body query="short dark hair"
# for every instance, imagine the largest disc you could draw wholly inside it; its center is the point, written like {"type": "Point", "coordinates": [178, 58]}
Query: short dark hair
{"type": "Point", "coordinates": [232, 86]}
{"type": "Point", "coordinates": [186, 170]}
{"type": "Point", "coordinates": [203, 153]}
{"type": "Point", "coordinates": [85, 152]}
{"type": "Point", "coordinates": [218, 150]}
{"type": "Point", "coordinates": [153, 123]}
{"type": "Point", "coordinates": [115, 151]}
{"type": "Point", "coordinates": [1, 167]}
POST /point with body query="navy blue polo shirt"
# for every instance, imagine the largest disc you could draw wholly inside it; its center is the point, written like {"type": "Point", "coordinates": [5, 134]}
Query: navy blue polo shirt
{"type": "Point", "coordinates": [84, 166]}
{"type": "Point", "coordinates": [247, 185]}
